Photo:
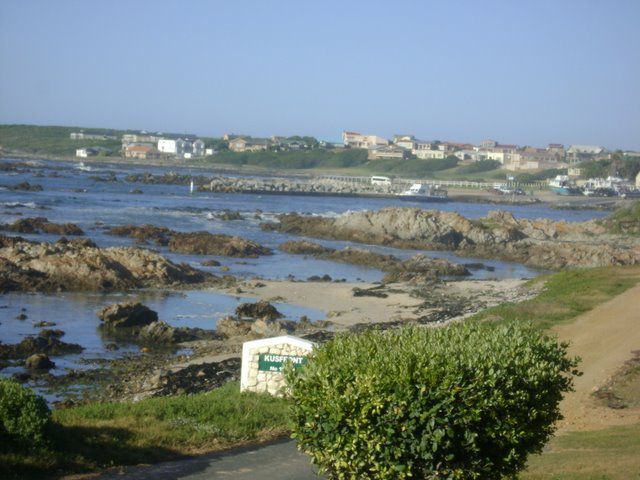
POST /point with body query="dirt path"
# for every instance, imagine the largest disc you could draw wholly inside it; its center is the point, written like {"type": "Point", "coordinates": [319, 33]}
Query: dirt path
{"type": "Point", "coordinates": [604, 338]}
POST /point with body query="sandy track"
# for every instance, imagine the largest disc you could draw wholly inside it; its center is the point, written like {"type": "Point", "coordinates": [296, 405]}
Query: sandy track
{"type": "Point", "coordinates": [604, 338]}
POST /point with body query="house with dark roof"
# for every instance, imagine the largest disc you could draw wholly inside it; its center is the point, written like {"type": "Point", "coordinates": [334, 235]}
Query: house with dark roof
{"type": "Point", "coordinates": [243, 144]}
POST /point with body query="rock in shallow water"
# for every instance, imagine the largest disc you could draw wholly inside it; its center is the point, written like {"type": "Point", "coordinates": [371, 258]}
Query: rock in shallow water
{"type": "Point", "coordinates": [39, 361]}
{"type": "Point", "coordinates": [127, 315]}
{"type": "Point", "coordinates": [76, 266]}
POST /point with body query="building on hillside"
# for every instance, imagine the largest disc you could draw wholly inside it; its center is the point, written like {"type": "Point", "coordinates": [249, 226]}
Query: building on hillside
{"type": "Point", "coordinates": [574, 171]}
{"type": "Point", "coordinates": [556, 148]}
{"type": "Point", "coordinates": [583, 153]}
{"type": "Point", "coordinates": [454, 146]}
{"type": "Point", "coordinates": [470, 155]}
{"type": "Point", "coordinates": [86, 152]}
{"type": "Point", "coordinates": [142, 152]}
{"type": "Point", "coordinates": [357, 140]}
{"type": "Point", "coordinates": [90, 136]}
{"type": "Point", "coordinates": [388, 152]}
{"type": "Point", "coordinates": [638, 180]}
{"type": "Point", "coordinates": [181, 147]}
{"type": "Point", "coordinates": [243, 144]}
{"type": "Point", "coordinates": [430, 154]}
{"type": "Point", "coordinates": [488, 143]}
{"type": "Point", "coordinates": [421, 145]}
{"type": "Point", "coordinates": [405, 141]}
{"type": "Point", "coordinates": [227, 137]}
{"type": "Point", "coordinates": [532, 159]}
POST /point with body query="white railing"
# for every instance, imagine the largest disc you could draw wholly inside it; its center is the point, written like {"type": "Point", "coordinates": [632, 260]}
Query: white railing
{"type": "Point", "coordinates": [430, 181]}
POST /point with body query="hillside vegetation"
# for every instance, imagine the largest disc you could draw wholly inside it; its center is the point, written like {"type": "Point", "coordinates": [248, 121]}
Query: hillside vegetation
{"type": "Point", "coordinates": [54, 141]}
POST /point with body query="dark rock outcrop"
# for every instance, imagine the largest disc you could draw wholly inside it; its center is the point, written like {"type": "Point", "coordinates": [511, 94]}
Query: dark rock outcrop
{"type": "Point", "coordinates": [261, 309]}
{"type": "Point", "coordinates": [26, 187]}
{"type": "Point", "coordinates": [39, 361]}
{"type": "Point", "coordinates": [304, 247]}
{"type": "Point", "coordinates": [200, 243]}
{"type": "Point", "coordinates": [127, 315]}
{"type": "Point", "coordinates": [540, 243]}
{"type": "Point", "coordinates": [191, 379]}
{"type": "Point", "coordinates": [41, 225]}
{"type": "Point", "coordinates": [77, 266]}
{"type": "Point", "coordinates": [49, 345]}
{"type": "Point", "coordinates": [418, 267]}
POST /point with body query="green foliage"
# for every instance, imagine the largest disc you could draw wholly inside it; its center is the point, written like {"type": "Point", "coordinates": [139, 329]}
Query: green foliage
{"type": "Point", "coordinates": [481, 166]}
{"type": "Point", "coordinates": [52, 140]}
{"type": "Point", "coordinates": [99, 435]}
{"type": "Point", "coordinates": [565, 295]}
{"type": "Point", "coordinates": [470, 400]}
{"type": "Point", "coordinates": [610, 454]}
{"type": "Point", "coordinates": [625, 220]}
{"type": "Point", "coordinates": [413, 166]}
{"type": "Point", "coordinates": [295, 159]}
{"type": "Point", "coordinates": [24, 416]}
{"type": "Point", "coordinates": [539, 176]}
{"type": "Point", "coordinates": [626, 167]}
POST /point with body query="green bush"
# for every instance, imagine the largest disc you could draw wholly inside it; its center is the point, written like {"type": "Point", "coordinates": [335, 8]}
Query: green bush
{"type": "Point", "coordinates": [480, 166]}
{"type": "Point", "coordinates": [24, 416]}
{"type": "Point", "coordinates": [467, 401]}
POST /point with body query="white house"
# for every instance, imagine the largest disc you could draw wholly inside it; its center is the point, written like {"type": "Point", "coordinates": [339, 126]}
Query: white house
{"type": "Point", "coordinates": [405, 141]}
{"type": "Point", "coordinates": [357, 140]}
{"type": "Point", "coordinates": [181, 147]}
{"type": "Point", "coordinates": [85, 152]}
{"type": "Point", "coordinates": [430, 154]}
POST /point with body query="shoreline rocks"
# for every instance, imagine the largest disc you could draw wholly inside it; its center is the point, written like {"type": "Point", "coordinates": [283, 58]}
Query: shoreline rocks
{"type": "Point", "coordinates": [127, 315]}
{"type": "Point", "coordinates": [48, 345]}
{"type": "Point", "coordinates": [200, 243]}
{"type": "Point", "coordinates": [258, 310]}
{"type": "Point", "coordinates": [39, 361]}
{"type": "Point", "coordinates": [81, 266]}
{"type": "Point", "coordinates": [419, 267]}
{"type": "Point", "coordinates": [538, 243]}
{"type": "Point", "coordinates": [41, 225]}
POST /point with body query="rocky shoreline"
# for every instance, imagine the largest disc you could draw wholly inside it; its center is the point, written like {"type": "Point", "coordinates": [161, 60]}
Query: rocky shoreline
{"type": "Point", "coordinates": [80, 265]}
{"type": "Point", "coordinates": [538, 243]}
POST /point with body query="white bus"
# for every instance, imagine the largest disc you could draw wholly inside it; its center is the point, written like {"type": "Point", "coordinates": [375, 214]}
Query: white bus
{"type": "Point", "coordinates": [380, 180]}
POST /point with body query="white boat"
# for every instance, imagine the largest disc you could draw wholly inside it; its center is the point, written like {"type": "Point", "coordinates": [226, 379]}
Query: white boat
{"type": "Point", "coordinates": [425, 193]}
{"type": "Point", "coordinates": [83, 167]}
{"type": "Point", "coordinates": [563, 185]}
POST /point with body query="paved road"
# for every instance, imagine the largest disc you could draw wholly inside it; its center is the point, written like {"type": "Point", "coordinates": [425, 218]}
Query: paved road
{"type": "Point", "coordinates": [276, 461]}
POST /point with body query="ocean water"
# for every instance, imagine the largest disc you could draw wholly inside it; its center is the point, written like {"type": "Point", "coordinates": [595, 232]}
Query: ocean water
{"type": "Point", "coordinates": [70, 195]}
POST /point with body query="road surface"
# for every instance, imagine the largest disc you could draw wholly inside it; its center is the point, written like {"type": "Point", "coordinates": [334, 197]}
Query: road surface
{"type": "Point", "coordinates": [275, 461]}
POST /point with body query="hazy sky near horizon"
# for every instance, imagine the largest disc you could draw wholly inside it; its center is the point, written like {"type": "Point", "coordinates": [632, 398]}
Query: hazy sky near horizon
{"type": "Point", "coordinates": [526, 72]}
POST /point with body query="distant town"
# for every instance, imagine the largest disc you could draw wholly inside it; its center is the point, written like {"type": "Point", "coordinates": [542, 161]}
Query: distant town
{"type": "Point", "coordinates": [144, 145]}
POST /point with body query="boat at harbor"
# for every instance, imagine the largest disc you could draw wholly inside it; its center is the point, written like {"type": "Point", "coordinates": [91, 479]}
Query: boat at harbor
{"type": "Point", "coordinates": [424, 193]}
{"type": "Point", "coordinates": [563, 185]}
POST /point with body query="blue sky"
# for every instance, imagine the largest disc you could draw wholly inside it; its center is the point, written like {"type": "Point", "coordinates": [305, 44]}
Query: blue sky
{"type": "Point", "coordinates": [526, 72]}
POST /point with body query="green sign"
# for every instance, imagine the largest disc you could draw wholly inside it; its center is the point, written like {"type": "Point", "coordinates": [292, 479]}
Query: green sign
{"type": "Point", "coordinates": [268, 362]}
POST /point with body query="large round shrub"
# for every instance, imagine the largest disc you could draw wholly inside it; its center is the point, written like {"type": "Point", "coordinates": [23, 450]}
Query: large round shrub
{"type": "Point", "coordinates": [24, 416]}
{"type": "Point", "coordinates": [470, 400]}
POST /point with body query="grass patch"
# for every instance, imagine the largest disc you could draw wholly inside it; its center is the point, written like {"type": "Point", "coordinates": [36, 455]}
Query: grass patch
{"type": "Point", "coordinates": [566, 295]}
{"type": "Point", "coordinates": [624, 220]}
{"type": "Point", "coordinates": [101, 435]}
{"type": "Point", "coordinates": [37, 140]}
{"type": "Point", "coordinates": [603, 454]}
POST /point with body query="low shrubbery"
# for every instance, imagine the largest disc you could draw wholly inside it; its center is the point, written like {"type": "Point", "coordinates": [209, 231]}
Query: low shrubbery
{"type": "Point", "coordinates": [625, 220]}
{"type": "Point", "coordinates": [295, 160]}
{"type": "Point", "coordinates": [480, 166]}
{"type": "Point", "coordinates": [98, 435]}
{"type": "Point", "coordinates": [467, 401]}
{"type": "Point", "coordinates": [24, 416]}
